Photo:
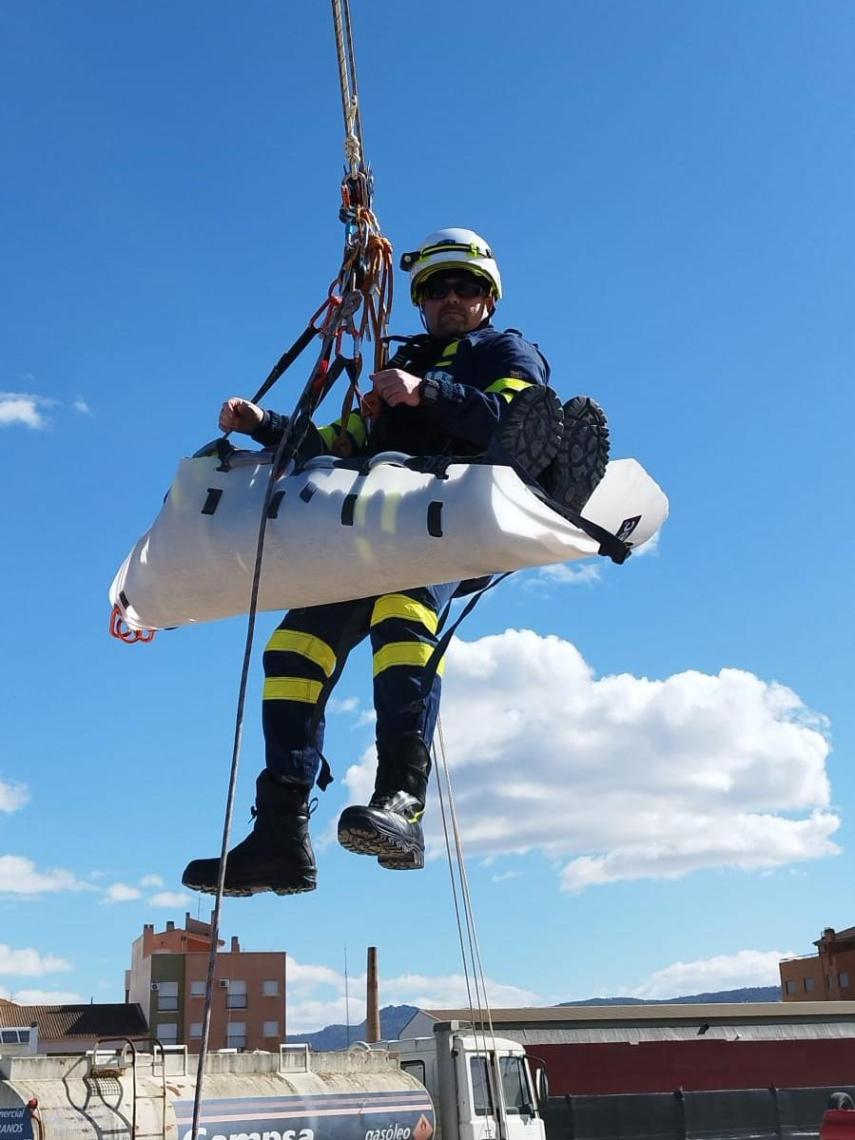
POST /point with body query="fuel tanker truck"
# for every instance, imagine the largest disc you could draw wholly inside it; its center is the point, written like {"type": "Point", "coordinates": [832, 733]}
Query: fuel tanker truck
{"type": "Point", "coordinates": [454, 1086]}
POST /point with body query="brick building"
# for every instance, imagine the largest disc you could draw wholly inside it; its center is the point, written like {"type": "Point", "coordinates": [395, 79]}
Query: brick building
{"type": "Point", "coordinates": [828, 975]}
{"type": "Point", "coordinates": [168, 975]}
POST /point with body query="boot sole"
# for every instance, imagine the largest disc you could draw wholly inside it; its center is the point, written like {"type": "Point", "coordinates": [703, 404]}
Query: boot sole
{"type": "Point", "coordinates": [370, 838]}
{"type": "Point", "coordinates": [415, 861]}
{"type": "Point", "coordinates": [244, 891]}
{"type": "Point", "coordinates": [248, 892]}
{"type": "Point", "coordinates": [583, 456]}
{"type": "Point", "coordinates": [530, 431]}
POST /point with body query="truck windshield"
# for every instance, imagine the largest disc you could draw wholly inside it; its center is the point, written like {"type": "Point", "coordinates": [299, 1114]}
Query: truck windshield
{"type": "Point", "coordinates": [514, 1085]}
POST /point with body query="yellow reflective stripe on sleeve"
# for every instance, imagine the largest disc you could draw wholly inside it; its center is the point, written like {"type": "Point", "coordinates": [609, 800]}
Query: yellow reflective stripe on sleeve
{"type": "Point", "coordinates": [356, 428]}
{"type": "Point", "coordinates": [292, 689]}
{"type": "Point", "coordinates": [400, 606]}
{"type": "Point", "coordinates": [292, 641]}
{"type": "Point", "coordinates": [404, 653]}
{"type": "Point", "coordinates": [508, 384]}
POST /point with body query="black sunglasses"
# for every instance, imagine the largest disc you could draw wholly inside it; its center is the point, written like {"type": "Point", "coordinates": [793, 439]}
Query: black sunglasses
{"type": "Point", "coordinates": [437, 288]}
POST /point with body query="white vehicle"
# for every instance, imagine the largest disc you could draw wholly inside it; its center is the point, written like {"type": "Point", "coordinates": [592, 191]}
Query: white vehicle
{"type": "Point", "coordinates": [481, 1085]}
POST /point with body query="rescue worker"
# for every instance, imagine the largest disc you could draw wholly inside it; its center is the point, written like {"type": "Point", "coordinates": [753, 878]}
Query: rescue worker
{"type": "Point", "coordinates": [464, 388]}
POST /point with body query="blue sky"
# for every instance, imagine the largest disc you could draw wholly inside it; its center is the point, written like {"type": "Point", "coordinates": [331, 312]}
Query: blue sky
{"type": "Point", "coordinates": [669, 190]}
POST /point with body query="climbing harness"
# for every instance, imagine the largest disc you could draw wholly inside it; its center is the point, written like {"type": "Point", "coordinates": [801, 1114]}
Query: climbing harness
{"type": "Point", "coordinates": [364, 281]}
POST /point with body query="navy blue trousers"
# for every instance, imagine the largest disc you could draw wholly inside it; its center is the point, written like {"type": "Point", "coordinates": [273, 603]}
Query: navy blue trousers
{"type": "Point", "coordinates": [307, 652]}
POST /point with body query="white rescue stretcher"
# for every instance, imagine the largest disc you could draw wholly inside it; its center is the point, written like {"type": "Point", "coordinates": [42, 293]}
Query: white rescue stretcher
{"type": "Point", "coordinates": [343, 529]}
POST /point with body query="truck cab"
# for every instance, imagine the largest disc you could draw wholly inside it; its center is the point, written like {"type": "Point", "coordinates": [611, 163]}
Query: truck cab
{"type": "Point", "coordinates": [480, 1084]}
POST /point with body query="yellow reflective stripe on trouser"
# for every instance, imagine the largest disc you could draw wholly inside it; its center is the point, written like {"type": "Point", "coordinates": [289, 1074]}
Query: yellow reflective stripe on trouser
{"type": "Point", "coordinates": [400, 606]}
{"type": "Point", "coordinates": [404, 653]}
{"type": "Point", "coordinates": [508, 386]}
{"type": "Point", "coordinates": [292, 689]}
{"type": "Point", "coordinates": [292, 641]}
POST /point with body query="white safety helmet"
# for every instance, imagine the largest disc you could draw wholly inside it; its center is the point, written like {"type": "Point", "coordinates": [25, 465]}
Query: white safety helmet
{"type": "Point", "coordinates": [451, 249]}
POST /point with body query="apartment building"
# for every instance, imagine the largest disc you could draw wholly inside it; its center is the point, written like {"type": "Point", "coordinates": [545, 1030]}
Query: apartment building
{"type": "Point", "coordinates": [828, 975]}
{"type": "Point", "coordinates": [168, 976]}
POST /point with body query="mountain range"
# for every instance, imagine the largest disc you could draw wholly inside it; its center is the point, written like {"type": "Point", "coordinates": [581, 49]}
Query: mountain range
{"type": "Point", "coordinates": [393, 1018]}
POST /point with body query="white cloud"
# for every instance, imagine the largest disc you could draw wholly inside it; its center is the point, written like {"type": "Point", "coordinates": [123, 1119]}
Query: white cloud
{"type": "Point", "coordinates": [43, 997]}
{"type": "Point", "coordinates": [151, 881]}
{"type": "Point", "coordinates": [450, 992]}
{"type": "Point", "coordinates": [307, 977]}
{"type": "Point", "coordinates": [707, 975]}
{"type": "Point", "coordinates": [20, 876]}
{"type": "Point", "coordinates": [309, 1016]}
{"type": "Point", "coordinates": [564, 573]}
{"type": "Point", "coordinates": [316, 995]}
{"type": "Point", "coordinates": [80, 405]}
{"type": "Point", "coordinates": [29, 963]}
{"type": "Point", "coordinates": [121, 892]}
{"type": "Point", "coordinates": [170, 898]}
{"type": "Point", "coordinates": [23, 408]}
{"type": "Point", "coordinates": [622, 777]}
{"type": "Point", "coordinates": [12, 796]}
{"type": "Point", "coordinates": [343, 704]}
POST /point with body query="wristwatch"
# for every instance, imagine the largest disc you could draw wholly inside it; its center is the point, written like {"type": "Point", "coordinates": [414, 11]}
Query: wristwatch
{"type": "Point", "coordinates": [430, 391]}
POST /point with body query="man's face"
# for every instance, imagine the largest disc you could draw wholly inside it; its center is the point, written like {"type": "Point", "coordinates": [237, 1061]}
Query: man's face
{"type": "Point", "coordinates": [452, 313]}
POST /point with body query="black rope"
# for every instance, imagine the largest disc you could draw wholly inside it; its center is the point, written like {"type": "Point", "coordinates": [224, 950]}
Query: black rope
{"type": "Point", "coordinates": [292, 437]}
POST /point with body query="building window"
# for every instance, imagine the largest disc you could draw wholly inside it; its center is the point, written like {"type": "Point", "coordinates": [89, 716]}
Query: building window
{"type": "Point", "coordinates": [809, 985]}
{"type": "Point", "coordinates": [197, 989]}
{"type": "Point", "coordinates": [791, 986]}
{"type": "Point", "coordinates": [167, 1032]}
{"type": "Point", "coordinates": [843, 978]}
{"type": "Point", "coordinates": [195, 1028]}
{"type": "Point", "coordinates": [236, 997]}
{"type": "Point", "coordinates": [271, 1029]}
{"type": "Point", "coordinates": [236, 1035]}
{"type": "Point", "coordinates": [270, 987]}
{"type": "Point", "coordinates": [167, 996]}
{"type": "Point", "coordinates": [830, 980]}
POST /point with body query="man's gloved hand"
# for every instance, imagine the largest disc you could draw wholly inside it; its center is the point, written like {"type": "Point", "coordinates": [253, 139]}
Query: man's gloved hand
{"type": "Point", "coordinates": [238, 414]}
{"type": "Point", "coordinates": [395, 386]}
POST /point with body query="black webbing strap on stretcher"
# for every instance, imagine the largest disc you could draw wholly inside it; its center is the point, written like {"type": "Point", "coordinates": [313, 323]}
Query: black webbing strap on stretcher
{"type": "Point", "coordinates": [433, 662]}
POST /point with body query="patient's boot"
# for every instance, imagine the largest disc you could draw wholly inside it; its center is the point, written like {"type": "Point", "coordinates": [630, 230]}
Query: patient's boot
{"type": "Point", "coordinates": [582, 456]}
{"type": "Point", "coordinates": [389, 826]}
{"type": "Point", "coordinates": [277, 854]}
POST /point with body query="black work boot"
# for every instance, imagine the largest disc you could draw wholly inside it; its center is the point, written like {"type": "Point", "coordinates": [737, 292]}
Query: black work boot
{"type": "Point", "coordinates": [582, 457]}
{"type": "Point", "coordinates": [389, 826]}
{"type": "Point", "coordinates": [529, 431]}
{"type": "Point", "coordinates": [277, 854]}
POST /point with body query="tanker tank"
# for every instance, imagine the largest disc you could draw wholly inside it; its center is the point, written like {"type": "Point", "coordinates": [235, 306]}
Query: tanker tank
{"type": "Point", "coordinates": [361, 1094]}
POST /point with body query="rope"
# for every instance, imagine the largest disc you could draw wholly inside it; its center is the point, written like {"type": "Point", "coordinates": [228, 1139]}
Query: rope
{"type": "Point", "coordinates": [474, 961]}
{"type": "Point", "coordinates": [353, 147]}
{"type": "Point", "coordinates": [364, 282]}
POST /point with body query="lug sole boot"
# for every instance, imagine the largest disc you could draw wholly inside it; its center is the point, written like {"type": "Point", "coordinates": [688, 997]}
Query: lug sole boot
{"type": "Point", "coordinates": [530, 429]}
{"type": "Point", "coordinates": [582, 457]}
{"type": "Point", "coordinates": [276, 856]}
{"type": "Point", "coordinates": [389, 826]}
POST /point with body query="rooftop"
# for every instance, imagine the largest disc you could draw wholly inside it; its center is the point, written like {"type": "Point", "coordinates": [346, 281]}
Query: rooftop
{"type": "Point", "coordinates": [54, 1022]}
